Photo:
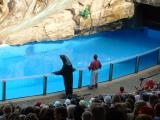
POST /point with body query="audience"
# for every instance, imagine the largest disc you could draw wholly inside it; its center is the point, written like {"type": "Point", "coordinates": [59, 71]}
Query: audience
{"type": "Point", "coordinates": [121, 106]}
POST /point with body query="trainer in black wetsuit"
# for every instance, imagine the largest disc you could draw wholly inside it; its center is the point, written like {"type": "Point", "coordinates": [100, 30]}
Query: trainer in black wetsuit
{"type": "Point", "coordinates": [67, 73]}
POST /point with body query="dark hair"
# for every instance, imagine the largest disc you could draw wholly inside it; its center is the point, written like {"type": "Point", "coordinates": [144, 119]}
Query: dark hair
{"type": "Point", "coordinates": [95, 56]}
{"type": "Point", "coordinates": [60, 113]}
{"type": "Point", "coordinates": [98, 112]}
{"type": "Point", "coordinates": [116, 114]}
{"type": "Point", "coordinates": [87, 115]}
{"type": "Point", "coordinates": [7, 109]}
{"type": "Point", "coordinates": [121, 89]}
{"type": "Point", "coordinates": [31, 116]}
{"type": "Point", "coordinates": [143, 117]}
{"type": "Point", "coordinates": [14, 116]}
{"type": "Point", "coordinates": [46, 114]}
{"type": "Point", "coordinates": [157, 109]}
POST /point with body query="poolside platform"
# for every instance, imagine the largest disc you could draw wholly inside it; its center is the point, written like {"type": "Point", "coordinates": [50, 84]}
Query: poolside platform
{"type": "Point", "coordinates": [111, 87]}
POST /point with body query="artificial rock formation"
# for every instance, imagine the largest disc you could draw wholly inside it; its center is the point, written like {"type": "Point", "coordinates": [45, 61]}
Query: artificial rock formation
{"type": "Point", "coordinates": [23, 21]}
{"type": "Point", "coordinates": [149, 2]}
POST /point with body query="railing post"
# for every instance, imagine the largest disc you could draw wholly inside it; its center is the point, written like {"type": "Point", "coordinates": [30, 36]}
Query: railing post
{"type": "Point", "coordinates": [80, 78]}
{"type": "Point", "coordinates": [3, 90]}
{"type": "Point", "coordinates": [137, 64]}
{"type": "Point", "coordinates": [111, 72]}
{"type": "Point", "coordinates": [44, 85]}
{"type": "Point", "coordinates": [158, 58]}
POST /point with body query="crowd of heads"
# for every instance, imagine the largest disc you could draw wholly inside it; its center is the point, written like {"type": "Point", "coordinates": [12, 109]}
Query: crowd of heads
{"type": "Point", "coordinates": [120, 106]}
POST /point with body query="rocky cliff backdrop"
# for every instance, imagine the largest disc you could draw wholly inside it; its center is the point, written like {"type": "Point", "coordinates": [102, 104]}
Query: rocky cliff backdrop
{"type": "Point", "coordinates": [23, 21]}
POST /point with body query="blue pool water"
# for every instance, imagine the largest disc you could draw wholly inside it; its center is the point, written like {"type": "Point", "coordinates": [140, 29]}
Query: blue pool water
{"type": "Point", "coordinates": [42, 58]}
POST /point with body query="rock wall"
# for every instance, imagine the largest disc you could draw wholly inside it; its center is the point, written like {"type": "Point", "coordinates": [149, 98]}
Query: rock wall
{"type": "Point", "coordinates": [149, 2]}
{"type": "Point", "coordinates": [23, 21]}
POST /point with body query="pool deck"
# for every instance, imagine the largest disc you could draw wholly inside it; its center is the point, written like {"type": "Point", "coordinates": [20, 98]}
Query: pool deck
{"type": "Point", "coordinates": [129, 82]}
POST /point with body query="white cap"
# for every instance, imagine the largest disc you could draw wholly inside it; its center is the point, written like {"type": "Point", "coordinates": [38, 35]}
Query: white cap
{"type": "Point", "coordinates": [108, 99]}
{"type": "Point", "coordinates": [91, 100]}
{"type": "Point", "coordinates": [67, 102]}
{"type": "Point", "coordinates": [137, 97]}
{"type": "Point", "coordinates": [57, 104]}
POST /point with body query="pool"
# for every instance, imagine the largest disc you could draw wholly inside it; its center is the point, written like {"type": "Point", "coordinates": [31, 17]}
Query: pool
{"type": "Point", "coordinates": [42, 58]}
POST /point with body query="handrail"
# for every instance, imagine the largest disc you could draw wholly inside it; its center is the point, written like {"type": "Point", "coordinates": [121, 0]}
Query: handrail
{"type": "Point", "coordinates": [84, 68]}
{"type": "Point", "coordinates": [127, 58]}
{"type": "Point", "coordinates": [26, 77]}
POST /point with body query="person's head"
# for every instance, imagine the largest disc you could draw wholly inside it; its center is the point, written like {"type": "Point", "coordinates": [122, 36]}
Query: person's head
{"type": "Point", "coordinates": [95, 56]}
{"type": "Point", "coordinates": [46, 114]}
{"type": "Point", "coordinates": [67, 102]}
{"type": "Point", "coordinates": [145, 97]}
{"type": "Point", "coordinates": [116, 99]}
{"type": "Point", "coordinates": [57, 104]}
{"type": "Point", "coordinates": [121, 89]}
{"type": "Point", "coordinates": [14, 116]}
{"type": "Point", "coordinates": [98, 112]}
{"type": "Point", "coordinates": [116, 114]}
{"type": "Point", "coordinates": [70, 111]}
{"type": "Point", "coordinates": [146, 110]}
{"type": "Point", "coordinates": [143, 117]}
{"type": "Point", "coordinates": [60, 113]}
{"type": "Point", "coordinates": [157, 109]}
{"type": "Point", "coordinates": [7, 109]}
{"type": "Point", "coordinates": [31, 116]}
{"type": "Point", "coordinates": [138, 105]}
{"type": "Point", "coordinates": [87, 115]}
{"type": "Point", "coordinates": [28, 110]}
{"type": "Point", "coordinates": [108, 100]}
{"type": "Point", "coordinates": [78, 112]}
{"type": "Point", "coordinates": [153, 99]}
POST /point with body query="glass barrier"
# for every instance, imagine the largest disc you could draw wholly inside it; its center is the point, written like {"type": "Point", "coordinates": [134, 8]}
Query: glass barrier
{"type": "Point", "coordinates": [21, 88]}
{"type": "Point", "coordinates": [148, 60]}
{"type": "Point", "coordinates": [0, 90]}
{"type": "Point", "coordinates": [86, 77]}
{"type": "Point", "coordinates": [103, 74]}
{"type": "Point", "coordinates": [124, 68]}
{"type": "Point", "coordinates": [55, 83]}
{"type": "Point", "coordinates": [75, 79]}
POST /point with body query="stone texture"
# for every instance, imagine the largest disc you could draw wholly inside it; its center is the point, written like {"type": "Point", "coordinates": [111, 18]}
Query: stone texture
{"type": "Point", "coordinates": [63, 23]}
{"type": "Point", "coordinates": [149, 2]}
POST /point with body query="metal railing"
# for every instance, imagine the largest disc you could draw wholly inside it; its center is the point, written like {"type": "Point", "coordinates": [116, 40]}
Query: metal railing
{"type": "Point", "coordinates": [111, 64]}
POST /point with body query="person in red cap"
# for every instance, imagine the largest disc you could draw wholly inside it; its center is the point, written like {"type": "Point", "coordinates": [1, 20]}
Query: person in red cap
{"type": "Point", "coordinates": [94, 66]}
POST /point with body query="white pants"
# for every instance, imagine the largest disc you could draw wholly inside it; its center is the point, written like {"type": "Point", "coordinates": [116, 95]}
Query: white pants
{"type": "Point", "coordinates": [94, 77]}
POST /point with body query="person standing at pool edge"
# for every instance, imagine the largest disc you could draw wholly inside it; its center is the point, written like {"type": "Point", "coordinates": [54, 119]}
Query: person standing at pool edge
{"type": "Point", "coordinates": [94, 66]}
{"type": "Point", "coordinates": [67, 73]}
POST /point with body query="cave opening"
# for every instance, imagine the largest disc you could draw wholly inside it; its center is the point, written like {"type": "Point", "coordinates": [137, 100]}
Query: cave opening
{"type": "Point", "coordinates": [148, 15]}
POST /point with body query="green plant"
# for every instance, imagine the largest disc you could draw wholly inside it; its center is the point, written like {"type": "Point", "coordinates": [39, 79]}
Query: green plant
{"type": "Point", "coordinates": [85, 13]}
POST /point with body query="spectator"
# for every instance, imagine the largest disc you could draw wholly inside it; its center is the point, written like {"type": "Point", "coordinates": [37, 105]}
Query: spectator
{"type": "Point", "coordinates": [7, 110]}
{"type": "Point", "coordinates": [57, 104]}
{"type": "Point", "coordinates": [108, 100]}
{"type": "Point", "coordinates": [87, 115]}
{"type": "Point", "coordinates": [60, 113]}
{"type": "Point", "coordinates": [157, 111]}
{"type": "Point", "coordinates": [146, 110]}
{"type": "Point", "coordinates": [46, 114]}
{"type": "Point", "coordinates": [14, 116]}
{"type": "Point", "coordinates": [31, 116]}
{"type": "Point", "coordinates": [116, 114]}
{"type": "Point", "coordinates": [144, 117]}
{"type": "Point", "coordinates": [98, 112]}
